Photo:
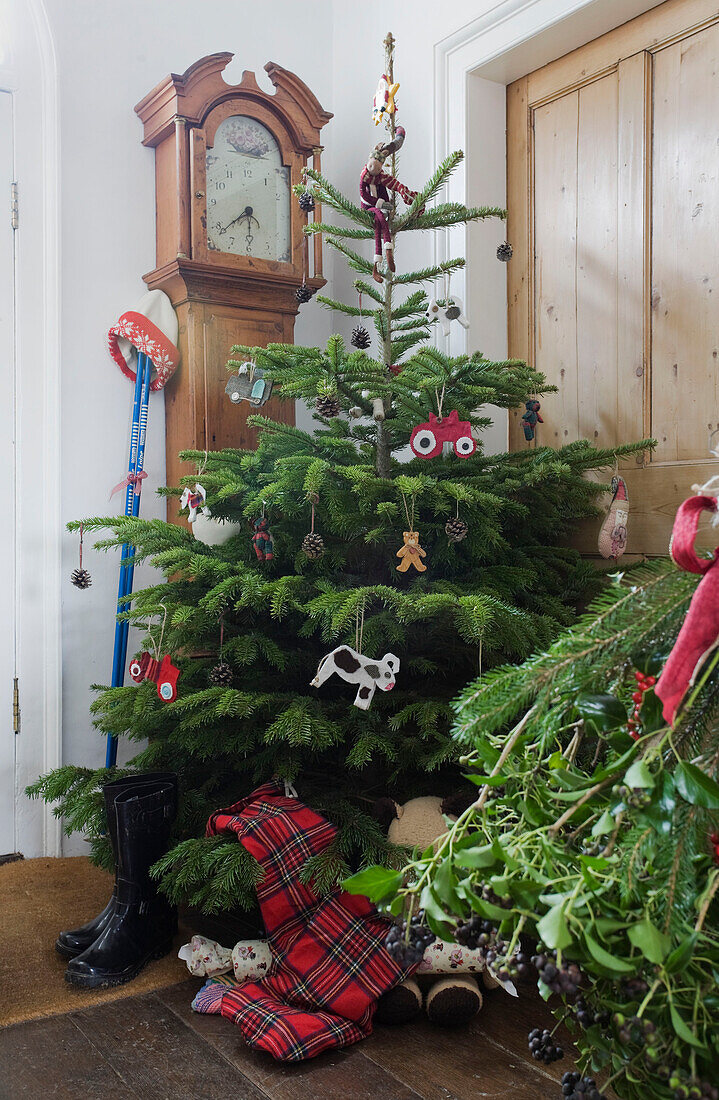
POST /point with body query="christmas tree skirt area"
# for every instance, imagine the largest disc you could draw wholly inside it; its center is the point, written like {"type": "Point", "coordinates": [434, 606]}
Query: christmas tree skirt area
{"type": "Point", "coordinates": [38, 899]}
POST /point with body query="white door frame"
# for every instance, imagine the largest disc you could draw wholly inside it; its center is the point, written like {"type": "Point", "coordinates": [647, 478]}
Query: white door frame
{"type": "Point", "coordinates": [30, 72]}
{"type": "Point", "coordinates": [472, 67]}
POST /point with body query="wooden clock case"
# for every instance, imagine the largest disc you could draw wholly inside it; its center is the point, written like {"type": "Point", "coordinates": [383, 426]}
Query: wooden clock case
{"type": "Point", "coordinates": [222, 299]}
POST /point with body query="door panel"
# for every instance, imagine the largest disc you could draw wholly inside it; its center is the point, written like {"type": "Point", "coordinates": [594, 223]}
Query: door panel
{"type": "Point", "coordinates": [613, 184]}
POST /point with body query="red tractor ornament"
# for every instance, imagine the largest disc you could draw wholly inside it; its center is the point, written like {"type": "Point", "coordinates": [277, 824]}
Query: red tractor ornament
{"type": "Point", "coordinates": [428, 439]}
{"type": "Point", "coordinates": [163, 673]}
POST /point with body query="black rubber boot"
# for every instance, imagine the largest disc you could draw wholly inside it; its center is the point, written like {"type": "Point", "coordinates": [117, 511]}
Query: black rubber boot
{"type": "Point", "coordinates": [76, 940]}
{"type": "Point", "coordinates": [143, 922]}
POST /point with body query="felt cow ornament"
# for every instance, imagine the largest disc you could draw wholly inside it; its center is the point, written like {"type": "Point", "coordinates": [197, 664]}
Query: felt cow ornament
{"type": "Point", "coordinates": [193, 500]}
{"type": "Point", "coordinates": [699, 634]}
{"type": "Point", "coordinates": [530, 419]}
{"type": "Point", "coordinates": [357, 669]}
{"type": "Point", "coordinates": [446, 312]}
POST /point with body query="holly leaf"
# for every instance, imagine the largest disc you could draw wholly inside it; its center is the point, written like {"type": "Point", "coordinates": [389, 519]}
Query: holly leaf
{"type": "Point", "coordinates": [554, 929]}
{"type": "Point", "coordinates": [652, 943]}
{"type": "Point", "coordinates": [695, 786]}
{"type": "Point", "coordinates": [376, 883]}
{"type": "Point", "coordinates": [603, 712]}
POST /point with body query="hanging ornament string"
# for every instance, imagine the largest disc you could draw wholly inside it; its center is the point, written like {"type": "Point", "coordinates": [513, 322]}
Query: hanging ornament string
{"type": "Point", "coordinates": [410, 521]}
{"type": "Point", "coordinates": [222, 633]}
{"type": "Point", "coordinates": [439, 397]}
{"type": "Point", "coordinates": [81, 533]}
{"type": "Point", "coordinates": [359, 624]}
{"type": "Point", "coordinates": [158, 647]}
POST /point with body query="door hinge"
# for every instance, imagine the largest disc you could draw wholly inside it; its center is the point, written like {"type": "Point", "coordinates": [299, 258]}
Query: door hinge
{"type": "Point", "coordinates": [15, 706]}
{"type": "Point", "coordinates": [13, 206]}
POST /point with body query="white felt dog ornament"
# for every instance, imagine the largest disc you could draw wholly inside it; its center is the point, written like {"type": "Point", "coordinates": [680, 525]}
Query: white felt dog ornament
{"type": "Point", "coordinates": [445, 314]}
{"type": "Point", "coordinates": [357, 669]}
{"type": "Point", "coordinates": [193, 500]}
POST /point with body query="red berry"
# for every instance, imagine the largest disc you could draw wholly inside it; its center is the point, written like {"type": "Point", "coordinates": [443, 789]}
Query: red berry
{"type": "Point", "coordinates": [639, 676]}
{"type": "Point", "coordinates": [634, 735]}
{"type": "Point", "coordinates": [637, 697]}
{"type": "Point", "coordinates": [650, 681]}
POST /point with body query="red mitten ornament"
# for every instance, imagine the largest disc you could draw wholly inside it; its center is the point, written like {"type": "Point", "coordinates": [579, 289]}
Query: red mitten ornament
{"type": "Point", "coordinates": [699, 634]}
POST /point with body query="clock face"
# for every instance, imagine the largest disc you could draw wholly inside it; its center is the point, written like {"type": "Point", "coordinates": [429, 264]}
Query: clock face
{"type": "Point", "coordinates": [248, 192]}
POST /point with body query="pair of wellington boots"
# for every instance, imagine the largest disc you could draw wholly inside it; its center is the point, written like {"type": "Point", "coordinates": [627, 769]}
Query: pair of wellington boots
{"type": "Point", "coordinates": [138, 923]}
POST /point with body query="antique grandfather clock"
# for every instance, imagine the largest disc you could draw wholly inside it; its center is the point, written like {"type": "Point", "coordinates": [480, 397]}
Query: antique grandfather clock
{"type": "Point", "coordinates": [230, 248]}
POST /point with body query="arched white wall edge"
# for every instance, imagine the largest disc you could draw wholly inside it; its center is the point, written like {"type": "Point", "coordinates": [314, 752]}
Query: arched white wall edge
{"type": "Point", "coordinates": [32, 77]}
{"type": "Point", "coordinates": [472, 67]}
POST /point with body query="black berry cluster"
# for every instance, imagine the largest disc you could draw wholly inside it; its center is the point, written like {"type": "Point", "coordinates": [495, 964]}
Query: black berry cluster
{"type": "Point", "coordinates": [488, 894]}
{"type": "Point", "coordinates": [633, 1029]}
{"type": "Point", "coordinates": [506, 968]}
{"type": "Point", "coordinates": [634, 797]}
{"type": "Point", "coordinates": [476, 932]}
{"type": "Point", "coordinates": [586, 1016]}
{"type": "Point", "coordinates": [634, 988]}
{"type": "Point", "coordinates": [407, 947]}
{"type": "Point", "coordinates": [542, 1046]}
{"type": "Point", "coordinates": [687, 1089]}
{"type": "Point", "coordinates": [565, 979]}
{"type": "Point", "coordinates": [576, 1087]}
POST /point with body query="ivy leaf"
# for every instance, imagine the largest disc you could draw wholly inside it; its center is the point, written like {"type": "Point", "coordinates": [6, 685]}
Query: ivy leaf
{"type": "Point", "coordinates": [376, 883]}
{"type": "Point", "coordinates": [639, 775]}
{"type": "Point", "coordinates": [610, 962]}
{"type": "Point", "coordinates": [553, 928]}
{"type": "Point", "coordinates": [652, 943]}
{"type": "Point", "coordinates": [682, 1030]}
{"type": "Point", "coordinates": [681, 955]}
{"type": "Point", "coordinates": [476, 857]}
{"type": "Point", "coordinates": [695, 786]}
{"type": "Point", "coordinates": [434, 914]}
{"type": "Point", "coordinates": [605, 824]}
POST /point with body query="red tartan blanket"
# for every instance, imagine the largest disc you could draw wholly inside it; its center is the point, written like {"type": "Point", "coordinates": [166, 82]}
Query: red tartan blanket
{"type": "Point", "coordinates": [330, 965]}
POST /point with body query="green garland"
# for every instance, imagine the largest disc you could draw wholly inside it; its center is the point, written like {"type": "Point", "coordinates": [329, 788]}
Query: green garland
{"type": "Point", "coordinates": [595, 845]}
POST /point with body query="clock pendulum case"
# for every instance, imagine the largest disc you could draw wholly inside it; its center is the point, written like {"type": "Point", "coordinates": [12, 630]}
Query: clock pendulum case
{"type": "Point", "coordinates": [229, 241]}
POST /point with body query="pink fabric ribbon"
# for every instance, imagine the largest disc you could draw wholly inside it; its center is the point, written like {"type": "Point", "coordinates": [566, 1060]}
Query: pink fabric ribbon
{"type": "Point", "coordinates": [135, 480]}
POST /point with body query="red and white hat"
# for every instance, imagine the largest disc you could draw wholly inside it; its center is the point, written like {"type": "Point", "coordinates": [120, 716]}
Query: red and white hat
{"type": "Point", "coordinates": [150, 328]}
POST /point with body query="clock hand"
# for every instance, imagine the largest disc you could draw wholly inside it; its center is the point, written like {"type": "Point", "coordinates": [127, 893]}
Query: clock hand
{"type": "Point", "coordinates": [246, 213]}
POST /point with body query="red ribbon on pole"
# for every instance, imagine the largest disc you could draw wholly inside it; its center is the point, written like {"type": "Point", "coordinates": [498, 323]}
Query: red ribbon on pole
{"type": "Point", "coordinates": [131, 479]}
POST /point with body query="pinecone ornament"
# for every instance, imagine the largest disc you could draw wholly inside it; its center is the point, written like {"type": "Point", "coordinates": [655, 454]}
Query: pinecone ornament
{"type": "Point", "coordinates": [313, 546]}
{"type": "Point", "coordinates": [306, 201]}
{"type": "Point", "coordinates": [456, 529]}
{"type": "Point", "coordinates": [81, 578]}
{"type": "Point", "coordinates": [361, 338]}
{"type": "Point", "coordinates": [504, 252]}
{"type": "Point", "coordinates": [221, 675]}
{"type": "Point", "coordinates": [327, 405]}
{"type": "Point", "coordinates": [303, 293]}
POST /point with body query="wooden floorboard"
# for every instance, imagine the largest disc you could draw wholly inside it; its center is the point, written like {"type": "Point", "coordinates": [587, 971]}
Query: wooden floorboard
{"type": "Point", "coordinates": [154, 1047]}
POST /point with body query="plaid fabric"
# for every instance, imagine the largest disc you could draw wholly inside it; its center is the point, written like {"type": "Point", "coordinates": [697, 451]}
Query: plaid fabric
{"type": "Point", "coordinates": [330, 963]}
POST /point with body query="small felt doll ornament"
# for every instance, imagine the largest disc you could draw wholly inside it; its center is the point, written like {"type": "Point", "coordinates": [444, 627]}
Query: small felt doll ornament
{"type": "Point", "coordinates": [411, 553]}
{"type": "Point", "coordinates": [375, 186]}
{"type": "Point", "coordinates": [613, 532]}
{"type": "Point", "coordinates": [383, 103]}
{"type": "Point", "coordinates": [193, 500]}
{"type": "Point", "coordinates": [352, 666]}
{"type": "Point", "coordinates": [530, 419]}
{"type": "Point", "coordinates": [262, 539]}
{"type": "Point", "coordinates": [699, 634]}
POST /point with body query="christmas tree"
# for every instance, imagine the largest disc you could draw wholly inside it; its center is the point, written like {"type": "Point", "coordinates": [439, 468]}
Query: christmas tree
{"type": "Point", "coordinates": [594, 832]}
{"type": "Point", "coordinates": [481, 575]}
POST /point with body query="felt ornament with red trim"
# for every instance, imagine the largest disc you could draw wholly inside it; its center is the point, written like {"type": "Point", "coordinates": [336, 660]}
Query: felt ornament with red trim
{"type": "Point", "coordinates": [150, 328]}
{"type": "Point", "coordinates": [163, 673]}
{"type": "Point", "coordinates": [613, 532]}
{"type": "Point", "coordinates": [262, 539]}
{"type": "Point", "coordinates": [193, 500]}
{"type": "Point", "coordinates": [699, 634]}
{"type": "Point", "coordinates": [530, 419]}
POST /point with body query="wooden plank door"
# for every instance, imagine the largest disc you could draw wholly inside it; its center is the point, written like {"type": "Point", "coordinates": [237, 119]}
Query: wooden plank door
{"type": "Point", "coordinates": [613, 185]}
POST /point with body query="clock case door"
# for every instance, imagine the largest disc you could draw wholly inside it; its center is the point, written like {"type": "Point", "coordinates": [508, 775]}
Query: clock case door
{"type": "Point", "coordinates": [202, 139]}
{"type": "Point", "coordinates": [222, 299]}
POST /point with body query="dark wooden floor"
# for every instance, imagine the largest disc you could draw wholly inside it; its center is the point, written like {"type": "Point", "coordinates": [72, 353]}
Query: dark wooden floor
{"type": "Point", "coordinates": [155, 1048]}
